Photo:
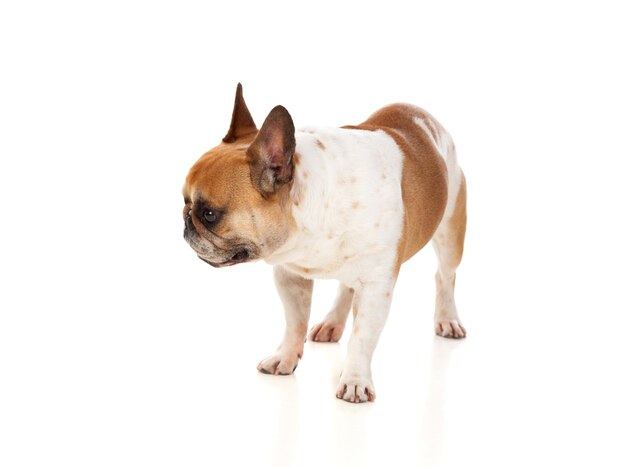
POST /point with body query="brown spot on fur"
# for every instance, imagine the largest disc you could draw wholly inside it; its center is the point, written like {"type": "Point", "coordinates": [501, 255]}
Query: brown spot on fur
{"type": "Point", "coordinates": [352, 179]}
{"type": "Point", "coordinates": [320, 144]}
{"type": "Point", "coordinates": [297, 193]}
{"type": "Point", "coordinates": [356, 205]}
{"type": "Point", "coordinates": [387, 294]}
{"type": "Point", "coordinates": [377, 225]}
{"type": "Point", "coordinates": [305, 174]}
{"type": "Point", "coordinates": [296, 158]}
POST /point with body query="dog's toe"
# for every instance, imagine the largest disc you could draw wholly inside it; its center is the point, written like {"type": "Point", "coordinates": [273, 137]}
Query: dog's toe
{"type": "Point", "coordinates": [326, 332]}
{"type": "Point", "coordinates": [278, 365]}
{"type": "Point", "coordinates": [356, 391]}
{"type": "Point", "coordinates": [451, 328]}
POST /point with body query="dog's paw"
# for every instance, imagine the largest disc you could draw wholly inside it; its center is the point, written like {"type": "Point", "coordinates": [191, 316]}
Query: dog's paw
{"type": "Point", "coordinates": [356, 389]}
{"type": "Point", "coordinates": [326, 331]}
{"type": "Point", "coordinates": [450, 328]}
{"type": "Point", "coordinates": [281, 363]}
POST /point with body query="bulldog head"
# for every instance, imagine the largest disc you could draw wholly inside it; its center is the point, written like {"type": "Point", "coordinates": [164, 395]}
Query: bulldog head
{"type": "Point", "coordinates": [237, 205]}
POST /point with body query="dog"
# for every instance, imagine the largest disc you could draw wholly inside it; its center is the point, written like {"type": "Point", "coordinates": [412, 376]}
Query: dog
{"type": "Point", "coordinates": [350, 203]}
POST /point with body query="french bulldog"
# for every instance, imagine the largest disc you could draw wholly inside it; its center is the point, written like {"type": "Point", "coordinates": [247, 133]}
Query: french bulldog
{"type": "Point", "coordinates": [351, 203]}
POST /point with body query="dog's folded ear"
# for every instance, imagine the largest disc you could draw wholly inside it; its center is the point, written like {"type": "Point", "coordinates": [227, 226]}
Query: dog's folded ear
{"type": "Point", "coordinates": [242, 123]}
{"type": "Point", "coordinates": [271, 153]}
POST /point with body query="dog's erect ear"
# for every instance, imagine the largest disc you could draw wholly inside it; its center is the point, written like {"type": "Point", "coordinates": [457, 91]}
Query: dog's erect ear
{"type": "Point", "coordinates": [271, 153]}
{"type": "Point", "coordinates": [241, 123]}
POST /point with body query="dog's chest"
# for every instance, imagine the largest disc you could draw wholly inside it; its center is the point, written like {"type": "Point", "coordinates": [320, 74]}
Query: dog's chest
{"type": "Point", "coordinates": [326, 256]}
{"type": "Point", "coordinates": [347, 204]}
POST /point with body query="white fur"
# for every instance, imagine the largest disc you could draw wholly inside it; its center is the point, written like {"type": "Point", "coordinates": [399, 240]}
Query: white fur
{"type": "Point", "coordinates": [420, 122]}
{"type": "Point", "coordinates": [349, 218]}
{"type": "Point", "coordinates": [349, 215]}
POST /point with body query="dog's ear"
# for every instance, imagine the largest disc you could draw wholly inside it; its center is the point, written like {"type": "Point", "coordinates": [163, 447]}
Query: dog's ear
{"type": "Point", "coordinates": [271, 153]}
{"type": "Point", "coordinates": [242, 123]}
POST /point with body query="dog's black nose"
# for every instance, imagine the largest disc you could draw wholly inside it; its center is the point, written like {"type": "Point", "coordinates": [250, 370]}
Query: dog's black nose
{"type": "Point", "coordinates": [189, 222]}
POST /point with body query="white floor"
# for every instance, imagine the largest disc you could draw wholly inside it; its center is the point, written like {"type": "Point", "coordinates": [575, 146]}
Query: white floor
{"type": "Point", "coordinates": [118, 347]}
{"type": "Point", "coordinates": [160, 370]}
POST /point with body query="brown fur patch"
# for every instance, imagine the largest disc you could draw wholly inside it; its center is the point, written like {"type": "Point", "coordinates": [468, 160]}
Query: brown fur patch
{"type": "Point", "coordinates": [241, 123]}
{"type": "Point", "coordinates": [221, 179]}
{"type": "Point", "coordinates": [424, 175]}
{"type": "Point", "coordinates": [320, 144]}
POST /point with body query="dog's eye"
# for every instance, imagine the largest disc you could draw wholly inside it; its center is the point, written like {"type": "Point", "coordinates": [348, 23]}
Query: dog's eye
{"type": "Point", "coordinates": [210, 216]}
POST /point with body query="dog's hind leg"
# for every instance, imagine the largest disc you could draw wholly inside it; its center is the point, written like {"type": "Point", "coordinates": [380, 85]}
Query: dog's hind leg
{"type": "Point", "coordinates": [448, 243]}
{"type": "Point", "coordinates": [331, 328]}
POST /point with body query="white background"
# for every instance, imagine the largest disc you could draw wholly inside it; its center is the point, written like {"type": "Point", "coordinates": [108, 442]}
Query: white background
{"type": "Point", "coordinates": [119, 347]}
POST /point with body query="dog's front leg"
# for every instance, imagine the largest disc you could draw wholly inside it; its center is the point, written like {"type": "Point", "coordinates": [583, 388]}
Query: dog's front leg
{"type": "Point", "coordinates": [371, 307]}
{"type": "Point", "coordinates": [295, 293]}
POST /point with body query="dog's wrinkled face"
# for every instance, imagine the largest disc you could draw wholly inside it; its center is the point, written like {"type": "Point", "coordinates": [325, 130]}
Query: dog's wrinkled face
{"type": "Point", "coordinates": [237, 206]}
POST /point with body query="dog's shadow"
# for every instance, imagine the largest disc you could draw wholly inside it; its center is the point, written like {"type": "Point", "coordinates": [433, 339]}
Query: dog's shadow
{"type": "Point", "coordinates": [351, 427]}
{"type": "Point", "coordinates": [281, 439]}
{"type": "Point", "coordinates": [432, 429]}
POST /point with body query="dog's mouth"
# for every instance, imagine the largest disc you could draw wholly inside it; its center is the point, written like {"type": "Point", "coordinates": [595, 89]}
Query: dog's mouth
{"type": "Point", "coordinates": [239, 253]}
{"type": "Point", "coordinates": [240, 256]}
